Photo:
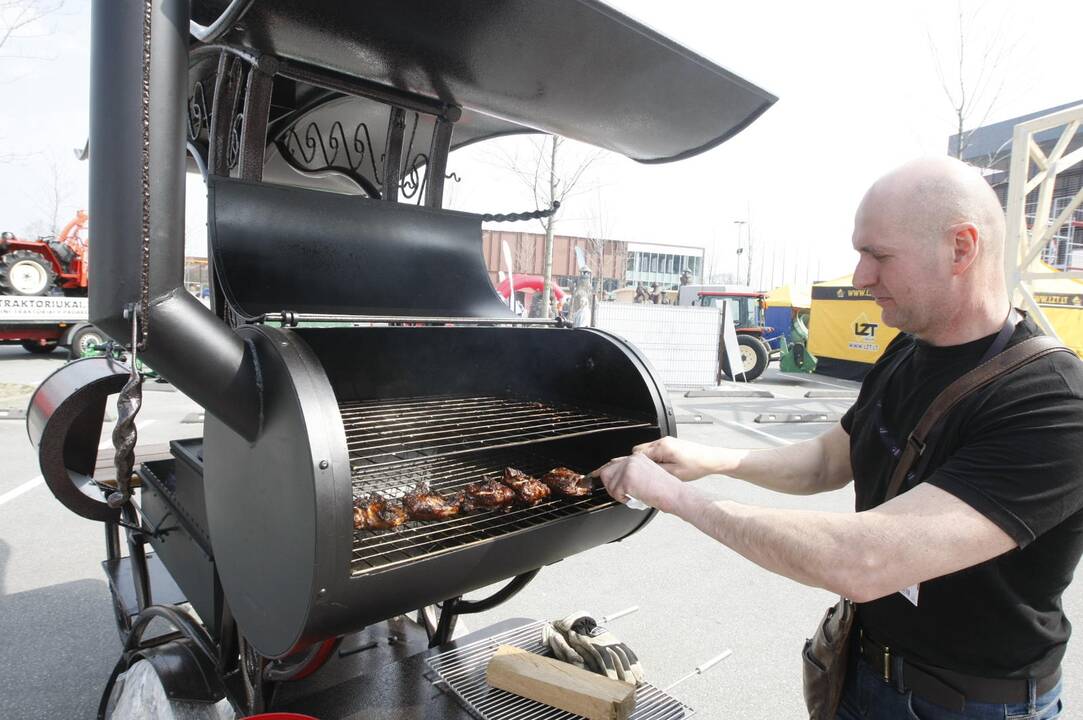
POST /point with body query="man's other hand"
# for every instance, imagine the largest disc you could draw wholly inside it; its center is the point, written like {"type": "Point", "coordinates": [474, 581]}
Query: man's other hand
{"type": "Point", "coordinates": [640, 477]}
{"type": "Point", "coordinates": [686, 460]}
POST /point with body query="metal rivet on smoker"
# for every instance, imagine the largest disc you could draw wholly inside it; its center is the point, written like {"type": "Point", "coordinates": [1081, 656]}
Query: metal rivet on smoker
{"type": "Point", "coordinates": [324, 464]}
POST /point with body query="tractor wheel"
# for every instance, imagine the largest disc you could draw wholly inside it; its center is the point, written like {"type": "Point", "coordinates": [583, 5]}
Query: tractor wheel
{"type": "Point", "coordinates": [33, 346]}
{"type": "Point", "coordinates": [754, 359]}
{"type": "Point", "coordinates": [85, 341]}
{"type": "Point", "coordinates": [25, 272]}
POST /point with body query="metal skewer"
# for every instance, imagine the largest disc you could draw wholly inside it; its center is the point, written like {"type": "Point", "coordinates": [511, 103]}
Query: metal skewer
{"type": "Point", "coordinates": [619, 614]}
{"type": "Point", "coordinates": [700, 669]}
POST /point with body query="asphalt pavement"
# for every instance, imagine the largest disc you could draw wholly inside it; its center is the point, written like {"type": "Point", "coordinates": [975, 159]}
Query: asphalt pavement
{"type": "Point", "coordinates": [695, 598]}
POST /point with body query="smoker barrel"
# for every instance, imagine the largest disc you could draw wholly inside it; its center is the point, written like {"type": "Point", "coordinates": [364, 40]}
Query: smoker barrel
{"type": "Point", "coordinates": [461, 404]}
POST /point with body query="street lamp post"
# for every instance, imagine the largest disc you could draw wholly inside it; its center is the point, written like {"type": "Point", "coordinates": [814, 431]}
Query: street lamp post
{"type": "Point", "coordinates": [740, 250]}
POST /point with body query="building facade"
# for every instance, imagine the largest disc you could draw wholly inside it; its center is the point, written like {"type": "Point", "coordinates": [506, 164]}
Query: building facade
{"type": "Point", "coordinates": [615, 263]}
{"type": "Point", "coordinates": [662, 264]}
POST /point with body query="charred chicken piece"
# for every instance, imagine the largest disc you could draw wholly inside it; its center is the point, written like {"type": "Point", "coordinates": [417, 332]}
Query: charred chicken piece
{"type": "Point", "coordinates": [567, 483]}
{"type": "Point", "coordinates": [373, 512]}
{"type": "Point", "coordinates": [423, 504]}
{"type": "Point", "coordinates": [528, 490]}
{"type": "Point", "coordinates": [487, 494]}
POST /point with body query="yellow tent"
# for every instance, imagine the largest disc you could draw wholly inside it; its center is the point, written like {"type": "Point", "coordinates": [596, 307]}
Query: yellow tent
{"type": "Point", "coordinates": [789, 296]}
{"type": "Point", "coordinates": [1062, 302]}
{"type": "Point", "coordinates": [846, 333]}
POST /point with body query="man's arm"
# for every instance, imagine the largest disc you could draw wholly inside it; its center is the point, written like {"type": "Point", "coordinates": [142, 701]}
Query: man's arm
{"type": "Point", "coordinates": [805, 468]}
{"type": "Point", "coordinates": [921, 534]}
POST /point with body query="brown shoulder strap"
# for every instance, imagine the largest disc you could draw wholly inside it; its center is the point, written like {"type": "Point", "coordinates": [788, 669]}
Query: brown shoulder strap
{"type": "Point", "coordinates": [1011, 359]}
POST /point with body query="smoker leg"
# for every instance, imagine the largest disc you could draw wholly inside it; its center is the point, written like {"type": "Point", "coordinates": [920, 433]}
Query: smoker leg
{"type": "Point", "coordinates": [440, 630]}
{"type": "Point", "coordinates": [439, 621]}
{"type": "Point", "coordinates": [137, 553]}
{"type": "Point", "coordinates": [257, 693]}
{"type": "Point", "coordinates": [112, 552]}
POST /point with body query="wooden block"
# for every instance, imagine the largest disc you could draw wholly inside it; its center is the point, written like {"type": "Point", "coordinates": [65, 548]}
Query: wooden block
{"type": "Point", "coordinates": [560, 684]}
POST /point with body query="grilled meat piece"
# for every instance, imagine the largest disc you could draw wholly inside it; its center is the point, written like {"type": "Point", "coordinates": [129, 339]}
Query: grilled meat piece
{"type": "Point", "coordinates": [487, 494]}
{"type": "Point", "coordinates": [568, 483]}
{"type": "Point", "coordinates": [528, 490]}
{"type": "Point", "coordinates": [375, 513]}
{"type": "Point", "coordinates": [424, 504]}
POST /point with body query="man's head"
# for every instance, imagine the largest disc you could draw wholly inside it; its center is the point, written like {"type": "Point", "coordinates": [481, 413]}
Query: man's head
{"type": "Point", "coordinates": [931, 239]}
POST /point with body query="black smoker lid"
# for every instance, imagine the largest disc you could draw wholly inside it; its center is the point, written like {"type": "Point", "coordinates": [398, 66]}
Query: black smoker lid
{"type": "Point", "coordinates": [576, 68]}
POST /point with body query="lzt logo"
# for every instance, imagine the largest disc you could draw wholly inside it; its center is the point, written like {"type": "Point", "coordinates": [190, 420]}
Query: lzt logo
{"type": "Point", "coordinates": [865, 329]}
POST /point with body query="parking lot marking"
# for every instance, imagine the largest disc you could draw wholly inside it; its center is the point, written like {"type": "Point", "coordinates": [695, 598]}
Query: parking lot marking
{"type": "Point", "coordinates": [25, 487]}
{"type": "Point", "coordinates": [108, 441]}
{"type": "Point", "coordinates": [772, 438]}
{"type": "Point", "coordinates": [829, 384]}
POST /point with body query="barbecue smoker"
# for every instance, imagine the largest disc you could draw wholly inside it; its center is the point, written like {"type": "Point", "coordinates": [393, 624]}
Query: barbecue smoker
{"type": "Point", "coordinates": [354, 344]}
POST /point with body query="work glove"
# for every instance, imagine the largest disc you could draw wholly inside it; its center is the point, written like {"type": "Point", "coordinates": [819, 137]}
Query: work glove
{"type": "Point", "coordinates": [601, 651]}
{"type": "Point", "coordinates": [560, 647]}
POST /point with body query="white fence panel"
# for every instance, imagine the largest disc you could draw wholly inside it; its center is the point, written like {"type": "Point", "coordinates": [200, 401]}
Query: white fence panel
{"type": "Point", "coordinates": [681, 342]}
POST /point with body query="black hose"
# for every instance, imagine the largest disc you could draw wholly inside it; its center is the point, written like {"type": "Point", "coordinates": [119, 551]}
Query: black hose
{"type": "Point", "coordinates": [180, 621]}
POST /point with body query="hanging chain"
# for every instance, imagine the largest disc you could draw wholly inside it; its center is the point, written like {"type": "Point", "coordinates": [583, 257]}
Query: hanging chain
{"type": "Point", "coordinates": [513, 217]}
{"type": "Point", "coordinates": [130, 399]}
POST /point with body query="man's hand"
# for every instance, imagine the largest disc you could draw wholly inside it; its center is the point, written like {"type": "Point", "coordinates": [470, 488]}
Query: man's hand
{"type": "Point", "coordinates": [688, 460]}
{"type": "Point", "coordinates": [600, 649]}
{"type": "Point", "coordinates": [639, 477]}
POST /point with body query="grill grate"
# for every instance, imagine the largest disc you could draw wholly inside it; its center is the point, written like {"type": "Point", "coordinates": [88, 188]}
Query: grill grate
{"type": "Point", "coordinates": [386, 431]}
{"type": "Point", "coordinates": [382, 549]}
{"type": "Point", "coordinates": [463, 671]}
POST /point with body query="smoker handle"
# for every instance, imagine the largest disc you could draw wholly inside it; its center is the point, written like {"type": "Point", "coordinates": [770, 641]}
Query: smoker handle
{"type": "Point", "coordinates": [464, 607]}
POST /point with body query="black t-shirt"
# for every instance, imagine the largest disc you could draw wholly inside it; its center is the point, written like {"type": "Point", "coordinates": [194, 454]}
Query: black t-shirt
{"type": "Point", "coordinates": [1014, 452]}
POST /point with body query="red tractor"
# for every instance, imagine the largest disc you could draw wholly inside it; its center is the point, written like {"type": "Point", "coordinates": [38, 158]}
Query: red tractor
{"type": "Point", "coordinates": [37, 267]}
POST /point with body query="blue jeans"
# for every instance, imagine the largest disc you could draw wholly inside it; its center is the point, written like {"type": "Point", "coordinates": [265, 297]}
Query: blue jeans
{"type": "Point", "coordinates": [867, 697]}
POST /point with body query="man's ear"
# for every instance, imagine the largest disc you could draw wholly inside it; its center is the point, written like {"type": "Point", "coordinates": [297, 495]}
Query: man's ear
{"type": "Point", "coordinates": [965, 246]}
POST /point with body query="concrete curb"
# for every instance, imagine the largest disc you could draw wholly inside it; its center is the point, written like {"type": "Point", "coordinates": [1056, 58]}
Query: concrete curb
{"type": "Point", "coordinates": [729, 394]}
{"type": "Point", "coordinates": [810, 417]}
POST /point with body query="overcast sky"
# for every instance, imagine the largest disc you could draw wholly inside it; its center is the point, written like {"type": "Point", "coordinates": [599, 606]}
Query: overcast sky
{"type": "Point", "coordinates": [858, 94]}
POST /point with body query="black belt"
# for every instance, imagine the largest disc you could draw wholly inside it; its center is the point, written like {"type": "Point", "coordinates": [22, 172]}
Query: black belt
{"type": "Point", "coordinates": [947, 688]}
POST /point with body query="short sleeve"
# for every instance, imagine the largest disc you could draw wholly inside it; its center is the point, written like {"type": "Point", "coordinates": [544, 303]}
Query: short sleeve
{"type": "Point", "coordinates": [1021, 462]}
{"type": "Point", "coordinates": [847, 420]}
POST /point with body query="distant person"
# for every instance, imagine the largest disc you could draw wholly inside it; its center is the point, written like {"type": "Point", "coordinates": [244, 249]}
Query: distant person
{"type": "Point", "coordinates": [581, 299]}
{"type": "Point", "coordinates": [641, 295]}
{"type": "Point", "coordinates": [958, 578]}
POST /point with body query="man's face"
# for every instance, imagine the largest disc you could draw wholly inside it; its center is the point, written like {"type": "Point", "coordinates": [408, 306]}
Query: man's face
{"type": "Point", "coordinates": [899, 268]}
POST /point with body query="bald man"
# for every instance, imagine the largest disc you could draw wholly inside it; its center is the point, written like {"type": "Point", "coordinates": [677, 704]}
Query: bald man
{"type": "Point", "coordinates": [958, 578]}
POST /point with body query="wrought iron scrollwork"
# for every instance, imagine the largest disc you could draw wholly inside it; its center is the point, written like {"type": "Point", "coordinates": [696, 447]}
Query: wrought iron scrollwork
{"type": "Point", "coordinates": [315, 152]}
{"type": "Point", "coordinates": [233, 148]}
{"type": "Point", "coordinates": [197, 112]}
{"type": "Point", "coordinates": [312, 150]}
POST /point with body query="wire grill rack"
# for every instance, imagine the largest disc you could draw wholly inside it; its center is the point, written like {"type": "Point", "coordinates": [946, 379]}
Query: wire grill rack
{"type": "Point", "coordinates": [462, 670]}
{"type": "Point", "coordinates": [383, 549]}
{"type": "Point", "coordinates": [387, 431]}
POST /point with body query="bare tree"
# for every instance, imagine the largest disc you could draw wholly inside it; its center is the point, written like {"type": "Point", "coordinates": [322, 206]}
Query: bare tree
{"type": "Point", "coordinates": [974, 78]}
{"type": "Point", "coordinates": [524, 252]}
{"type": "Point", "coordinates": [598, 232]}
{"type": "Point", "coordinates": [551, 179]}
{"type": "Point", "coordinates": [55, 193]}
{"type": "Point", "coordinates": [17, 16]}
